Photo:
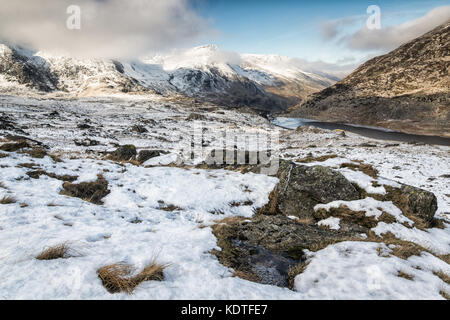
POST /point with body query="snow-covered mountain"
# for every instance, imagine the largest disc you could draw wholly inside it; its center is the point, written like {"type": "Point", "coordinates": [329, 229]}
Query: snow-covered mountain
{"type": "Point", "coordinates": [266, 82]}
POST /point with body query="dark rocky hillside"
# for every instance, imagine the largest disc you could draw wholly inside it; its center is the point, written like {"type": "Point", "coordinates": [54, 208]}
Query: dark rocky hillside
{"type": "Point", "coordinates": [406, 89]}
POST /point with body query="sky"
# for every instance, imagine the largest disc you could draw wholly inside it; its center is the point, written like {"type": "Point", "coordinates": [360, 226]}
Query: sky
{"type": "Point", "coordinates": [328, 31]}
{"type": "Point", "coordinates": [294, 27]}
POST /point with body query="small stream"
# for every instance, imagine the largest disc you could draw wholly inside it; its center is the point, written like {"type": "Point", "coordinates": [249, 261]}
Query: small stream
{"type": "Point", "coordinates": [369, 132]}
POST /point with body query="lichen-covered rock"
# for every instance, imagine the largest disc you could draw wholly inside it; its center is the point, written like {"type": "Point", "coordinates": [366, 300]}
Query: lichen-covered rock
{"type": "Point", "coordinates": [418, 204]}
{"type": "Point", "coordinates": [302, 187]}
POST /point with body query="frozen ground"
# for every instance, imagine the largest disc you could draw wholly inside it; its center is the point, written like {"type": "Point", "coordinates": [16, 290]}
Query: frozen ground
{"type": "Point", "coordinates": [134, 226]}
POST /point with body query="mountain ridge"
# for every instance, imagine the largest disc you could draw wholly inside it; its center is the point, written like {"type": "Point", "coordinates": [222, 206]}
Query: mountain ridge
{"type": "Point", "coordinates": [204, 73]}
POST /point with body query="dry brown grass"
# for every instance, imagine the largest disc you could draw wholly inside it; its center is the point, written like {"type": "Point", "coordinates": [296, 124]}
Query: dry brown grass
{"type": "Point", "coordinates": [246, 276]}
{"type": "Point", "coordinates": [60, 251]}
{"type": "Point", "coordinates": [402, 249]}
{"type": "Point", "coordinates": [89, 191]}
{"type": "Point", "coordinates": [404, 275]}
{"type": "Point", "coordinates": [347, 215]}
{"type": "Point", "coordinates": [168, 207]}
{"type": "Point", "coordinates": [14, 146]}
{"type": "Point", "coordinates": [295, 271]}
{"type": "Point", "coordinates": [310, 158]}
{"type": "Point", "coordinates": [235, 204]}
{"type": "Point", "coordinates": [117, 277]}
{"type": "Point", "coordinates": [38, 153]}
{"type": "Point", "coordinates": [7, 200]}
{"type": "Point", "coordinates": [3, 155]}
{"type": "Point", "coordinates": [2, 185]}
{"type": "Point", "coordinates": [443, 276]}
{"type": "Point", "coordinates": [363, 167]}
{"type": "Point", "coordinates": [231, 220]}
{"type": "Point", "coordinates": [271, 208]}
{"type": "Point", "coordinates": [444, 294]}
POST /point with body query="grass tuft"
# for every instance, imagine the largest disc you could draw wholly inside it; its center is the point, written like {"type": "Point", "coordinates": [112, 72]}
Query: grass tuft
{"type": "Point", "coordinates": [7, 200]}
{"type": "Point", "coordinates": [404, 275]}
{"type": "Point", "coordinates": [117, 277]}
{"type": "Point", "coordinates": [60, 251]}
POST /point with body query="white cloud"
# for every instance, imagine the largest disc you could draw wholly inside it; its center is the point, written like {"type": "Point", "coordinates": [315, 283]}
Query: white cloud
{"type": "Point", "coordinates": [331, 29]}
{"type": "Point", "coordinates": [109, 28]}
{"type": "Point", "coordinates": [389, 38]}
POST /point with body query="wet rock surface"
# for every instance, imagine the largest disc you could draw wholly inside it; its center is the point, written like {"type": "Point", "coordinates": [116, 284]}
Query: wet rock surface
{"type": "Point", "coordinates": [266, 247]}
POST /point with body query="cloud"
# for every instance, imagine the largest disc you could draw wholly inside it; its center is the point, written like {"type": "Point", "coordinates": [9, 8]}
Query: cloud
{"type": "Point", "coordinates": [389, 38]}
{"type": "Point", "coordinates": [109, 28]}
{"type": "Point", "coordinates": [339, 70]}
{"type": "Point", "coordinates": [331, 29]}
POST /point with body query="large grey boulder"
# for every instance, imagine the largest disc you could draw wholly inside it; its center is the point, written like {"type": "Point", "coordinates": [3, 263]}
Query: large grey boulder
{"type": "Point", "coordinates": [302, 187]}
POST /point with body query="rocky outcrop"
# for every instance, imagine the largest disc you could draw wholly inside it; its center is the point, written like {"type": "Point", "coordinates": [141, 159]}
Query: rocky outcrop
{"type": "Point", "coordinates": [302, 187]}
{"type": "Point", "coordinates": [417, 204]}
{"type": "Point", "coordinates": [145, 155]}
{"type": "Point", "coordinates": [123, 153]}
{"type": "Point", "coordinates": [406, 90]}
{"type": "Point", "coordinates": [270, 247]}
{"type": "Point", "coordinates": [265, 248]}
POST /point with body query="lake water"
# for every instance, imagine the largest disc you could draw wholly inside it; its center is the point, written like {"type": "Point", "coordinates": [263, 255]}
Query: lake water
{"type": "Point", "coordinates": [370, 132]}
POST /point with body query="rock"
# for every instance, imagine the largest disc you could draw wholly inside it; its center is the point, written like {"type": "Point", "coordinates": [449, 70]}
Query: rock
{"type": "Point", "coordinates": [86, 142]}
{"type": "Point", "coordinates": [89, 191]}
{"type": "Point", "coordinates": [417, 204]}
{"type": "Point", "coordinates": [123, 153]}
{"type": "Point", "coordinates": [144, 155]}
{"type": "Point", "coordinates": [340, 132]}
{"type": "Point", "coordinates": [139, 129]}
{"type": "Point", "coordinates": [302, 187]}
{"type": "Point", "coordinates": [83, 126]}
{"type": "Point", "coordinates": [265, 248]}
{"type": "Point", "coordinates": [195, 117]}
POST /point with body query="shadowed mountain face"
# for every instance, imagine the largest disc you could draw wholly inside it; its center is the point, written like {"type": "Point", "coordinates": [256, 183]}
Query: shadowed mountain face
{"type": "Point", "coordinates": [406, 90]}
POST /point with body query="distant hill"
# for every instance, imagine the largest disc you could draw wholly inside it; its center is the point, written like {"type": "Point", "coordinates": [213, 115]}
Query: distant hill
{"type": "Point", "coordinates": [407, 89]}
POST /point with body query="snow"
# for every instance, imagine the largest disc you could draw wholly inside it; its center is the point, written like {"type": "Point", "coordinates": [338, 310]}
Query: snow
{"type": "Point", "coordinates": [363, 181]}
{"type": "Point", "coordinates": [108, 233]}
{"type": "Point", "coordinates": [373, 276]}
{"type": "Point", "coordinates": [436, 240]}
{"type": "Point", "coordinates": [331, 222]}
{"type": "Point", "coordinates": [371, 207]}
{"type": "Point", "coordinates": [103, 234]}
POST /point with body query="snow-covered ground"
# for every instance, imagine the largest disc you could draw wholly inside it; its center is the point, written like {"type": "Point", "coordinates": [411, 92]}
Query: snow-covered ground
{"type": "Point", "coordinates": [134, 226]}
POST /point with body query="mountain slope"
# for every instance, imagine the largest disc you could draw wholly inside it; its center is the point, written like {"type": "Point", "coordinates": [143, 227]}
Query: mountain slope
{"type": "Point", "coordinates": [406, 89]}
{"type": "Point", "coordinates": [270, 83]}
